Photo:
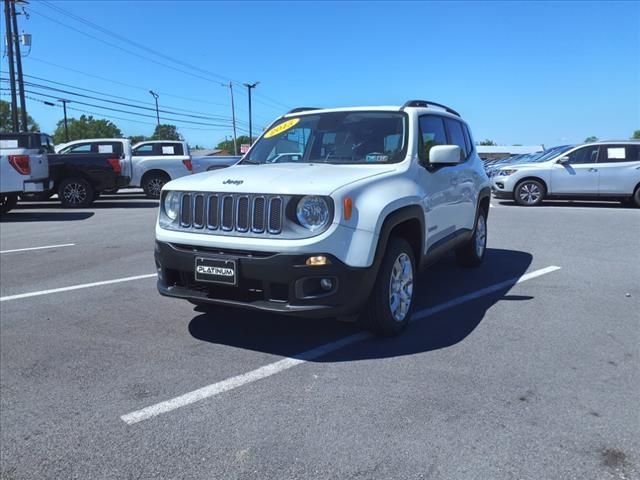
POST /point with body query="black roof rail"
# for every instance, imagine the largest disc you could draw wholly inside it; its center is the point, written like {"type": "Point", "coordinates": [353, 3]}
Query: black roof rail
{"type": "Point", "coordinates": [428, 103]}
{"type": "Point", "coordinates": [301, 109]}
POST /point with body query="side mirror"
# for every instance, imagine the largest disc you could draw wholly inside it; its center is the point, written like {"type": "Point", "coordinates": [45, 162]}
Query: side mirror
{"type": "Point", "coordinates": [444, 155]}
{"type": "Point", "coordinates": [563, 160]}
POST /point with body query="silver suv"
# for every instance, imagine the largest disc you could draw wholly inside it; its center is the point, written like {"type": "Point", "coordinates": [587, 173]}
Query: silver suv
{"type": "Point", "coordinates": [602, 170]}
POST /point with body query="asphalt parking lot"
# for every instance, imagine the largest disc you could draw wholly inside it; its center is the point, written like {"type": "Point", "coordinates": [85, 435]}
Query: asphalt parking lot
{"type": "Point", "coordinates": [526, 368]}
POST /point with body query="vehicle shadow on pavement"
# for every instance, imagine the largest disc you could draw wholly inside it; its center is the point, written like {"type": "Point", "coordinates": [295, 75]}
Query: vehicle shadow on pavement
{"type": "Point", "coordinates": [571, 203]}
{"type": "Point", "coordinates": [443, 282]}
{"type": "Point", "coordinates": [16, 216]}
{"type": "Point", "coordinates": [98, 204]}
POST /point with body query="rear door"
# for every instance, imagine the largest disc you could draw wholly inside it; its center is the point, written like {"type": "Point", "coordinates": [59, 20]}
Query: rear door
{"type": "Point", "coordinates": [579, 176]}
{"type": "Point", "coordinates": [619, 169]}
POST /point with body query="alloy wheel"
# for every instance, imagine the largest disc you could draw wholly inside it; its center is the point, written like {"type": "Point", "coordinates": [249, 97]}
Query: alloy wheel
{"type": "Point", "coordinates": [401, 287]}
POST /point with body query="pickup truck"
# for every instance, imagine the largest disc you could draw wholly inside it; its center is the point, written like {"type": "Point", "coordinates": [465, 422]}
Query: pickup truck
{"type": "Point", "coordinates": [213, 162]}
{"type": "Point", "coordinates": [331, 213]}
{"type": "Point", "coordinates": [149, 164]}
{"type": "Point", "coordinates": [24, 166]}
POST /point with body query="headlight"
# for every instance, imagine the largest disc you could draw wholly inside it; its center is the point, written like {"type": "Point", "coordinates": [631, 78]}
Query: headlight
{"type": "Point", "coordinates": [172, 205]}
{"type": "Point", "coordinates": [312, 212]}
{"type": "Point", "coordinates": [506, 173]}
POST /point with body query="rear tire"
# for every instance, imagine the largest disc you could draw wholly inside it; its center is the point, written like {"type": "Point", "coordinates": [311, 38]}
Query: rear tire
{"type": "Point", "coordinates": [390, 305]}
{"type": "Point", "coordinates": [471, 254]}
{"type": "Point", "coordinates": [529, 193]}
{"type": "Point", "coordinates": [152, 184]}
{"type": "Point", "coordinates": [75, 193]}
{"type": "Point", "coordinates": [8, 201]}
{"type": "Point", "coordinates": [636, 197]}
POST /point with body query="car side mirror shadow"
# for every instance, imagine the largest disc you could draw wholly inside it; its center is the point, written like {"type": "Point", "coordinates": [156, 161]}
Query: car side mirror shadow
{"type": "Point", "coordinates": [444, 155]}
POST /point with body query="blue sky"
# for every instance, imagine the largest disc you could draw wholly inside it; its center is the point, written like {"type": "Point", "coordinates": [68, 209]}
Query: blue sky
{"type": "Point", "coordinates": [525, 73]}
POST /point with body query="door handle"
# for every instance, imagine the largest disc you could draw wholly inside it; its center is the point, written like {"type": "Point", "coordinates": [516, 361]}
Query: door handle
{"type": "Point", "coordinates": [593, 169]}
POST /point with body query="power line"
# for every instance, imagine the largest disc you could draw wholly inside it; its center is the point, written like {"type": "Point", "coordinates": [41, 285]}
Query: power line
{"type": "Point", "coordinates": [278, 104]}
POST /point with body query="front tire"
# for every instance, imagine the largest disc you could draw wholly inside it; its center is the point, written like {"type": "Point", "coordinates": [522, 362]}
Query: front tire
{"type": "Point", "coordinates": [8, 201]}
{"type": "Point", "coordinates": [391, 303]}
{"type": "Point", "coordinates": [471, 254]}
{"type": "Point", "coordinates": [75, 193]}
{"type": "Point", "coordinates": [636, 197]}
{"type": "Point", "coordinates": [529, 193]}
{"type": "Point", "coordinates": [153, 183]}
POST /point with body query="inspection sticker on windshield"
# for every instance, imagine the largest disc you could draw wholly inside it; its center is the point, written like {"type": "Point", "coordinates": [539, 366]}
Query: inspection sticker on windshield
{"type": "Point", "coordinates": [283, 127]}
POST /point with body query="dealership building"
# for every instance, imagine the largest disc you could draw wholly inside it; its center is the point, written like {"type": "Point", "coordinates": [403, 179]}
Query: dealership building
{"type": "Point", "coordinates": [490, 152]}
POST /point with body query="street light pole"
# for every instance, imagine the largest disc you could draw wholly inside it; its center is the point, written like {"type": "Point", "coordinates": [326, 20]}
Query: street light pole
{"type": "Point", "coordinates": [250, 86]}
{"type": "Point", "coordinates": [155, 95]}
{"type": "Point", "coordinates": [66, 128]}
{"type": "Point", "coordinates": [12, 75]}
{"type": "Point", "coordinates": [233, 119]}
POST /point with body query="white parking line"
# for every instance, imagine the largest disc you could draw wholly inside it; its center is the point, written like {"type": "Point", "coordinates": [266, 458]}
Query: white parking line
{"type": "Point", "coordinates": [287, 363]}
{"type": "Point", "coordinates": [75, 287]}
{"type": "Point", "coordinates": [37, 248]}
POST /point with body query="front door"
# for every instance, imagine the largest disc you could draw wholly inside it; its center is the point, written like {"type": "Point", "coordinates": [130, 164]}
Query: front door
{"type": "Point", "coordinates": [579, 176]}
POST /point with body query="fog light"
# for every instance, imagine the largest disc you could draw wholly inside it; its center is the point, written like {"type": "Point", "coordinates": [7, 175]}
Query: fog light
{"type": "Point", "coordinates": [326, 284]}
{"type": "Point", "coordinates": [317, 260]}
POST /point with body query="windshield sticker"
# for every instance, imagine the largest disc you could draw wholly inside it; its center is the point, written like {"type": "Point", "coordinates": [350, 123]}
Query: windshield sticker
{"type": "Point", "coordinates": [8, 143]}
{"type": "Point", "coordinates": [376, 158]}
{"type": "Point", "coordinates": [283, 127]}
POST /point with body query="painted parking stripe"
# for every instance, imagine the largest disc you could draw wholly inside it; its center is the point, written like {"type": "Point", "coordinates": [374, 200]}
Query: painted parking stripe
{"type": "Point", "coordinates": [287, 363]}
{"type": "Point", "coordinates": [75, 287]}
{"type": "Point", "coordinates": [37, 248]}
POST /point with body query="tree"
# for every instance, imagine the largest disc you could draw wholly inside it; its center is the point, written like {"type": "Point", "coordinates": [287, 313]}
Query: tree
{"type": "Point", "coordinates": [137, 139]}
{"type": "Point", "coordinates": [591, 139]}
{"type": "Point", "coordinates": [227, 145]}
{"type": "Point", "coordinates": [636, 135]}
{"type": "Point", "coordinates": [86, 127]}
{"type": "Point", "coordinates": [6, 122]}
{"type": "Point", "coordinates": [487, 142]}
{"type": "Point", "coordinates": [166, 132]}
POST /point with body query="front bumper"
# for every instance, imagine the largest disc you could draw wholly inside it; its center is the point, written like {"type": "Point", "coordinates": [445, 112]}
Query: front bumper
{"type": "Point", "coordinates": [502, 187]}
{"type": "Point", "coordinates": [280, 283]}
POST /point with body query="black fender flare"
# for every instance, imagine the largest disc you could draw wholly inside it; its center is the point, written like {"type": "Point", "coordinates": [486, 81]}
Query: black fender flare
{"type": "Point", "coordinates": [392, 220]}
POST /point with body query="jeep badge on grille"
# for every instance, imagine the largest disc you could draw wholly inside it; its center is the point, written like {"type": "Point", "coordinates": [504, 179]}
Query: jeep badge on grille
{"type": "Point", "coordinates": [232, 182]}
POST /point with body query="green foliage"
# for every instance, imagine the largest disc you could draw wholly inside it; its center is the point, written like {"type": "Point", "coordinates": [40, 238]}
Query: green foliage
{"type": "Point", "coordinates": [166, 132]}
{"type": "Point", "coordinates": [6, 123]}
{"type": "Point", "coordinates": [137, 139]}
{"type": "Point", "coordinates": [487, 142]}
{"type": "Point", "coordinates": [86, 127]}
{"type": "Point", "coordinates": [228, 144]}
{"type": "Point", "coordinates": [636, 135]}
{"type": "Point", "coordinates": [591, 139]}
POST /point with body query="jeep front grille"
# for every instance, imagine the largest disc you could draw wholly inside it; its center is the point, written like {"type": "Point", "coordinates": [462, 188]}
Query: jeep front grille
{"type": "Point", "coordinates": [225, 213]}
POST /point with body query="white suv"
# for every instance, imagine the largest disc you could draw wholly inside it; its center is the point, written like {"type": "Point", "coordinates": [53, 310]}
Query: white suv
{"type": "Point", "coordinates": [331, 212]}
{"type": "Point", "coordinates": [602, 170]}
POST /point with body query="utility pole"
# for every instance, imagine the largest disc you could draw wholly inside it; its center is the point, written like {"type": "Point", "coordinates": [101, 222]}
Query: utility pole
{"type": "Point", "coordinates": [233, 119]}
{"type": "Point", "coordinates": [250, 86]}
{"type": "Point", "coordinates": [66, 128]}
{"type": "Point", "coordinates": [12, 75]}
{"type": "Point", "coordinates": [155, 95]}
{"type": "Point", "coordinates": [16, 39]}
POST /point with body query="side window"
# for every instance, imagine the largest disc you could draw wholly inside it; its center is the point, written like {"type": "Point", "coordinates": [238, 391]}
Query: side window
{"type": "Point", "coordinates": [619, 153]}
{"type": "Point", "coordinates": [467, 139]}
{"type": "Point", "coordinates": [584, 155]}
{"type": "Point", "coordinates": [456, 136]}
{"type": "Point", "coordinates": [171, 149]}
{"type": "Point", "coordinates": [80, 148]}
{"type": "Point", "coordinates": [146, 149]}
{"type": "Point", "coordinates": [432, 133]}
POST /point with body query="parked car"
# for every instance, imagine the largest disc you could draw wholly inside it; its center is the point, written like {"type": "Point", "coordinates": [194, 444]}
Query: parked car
{"type": "Point", "coordinates": [602, 170]}
{"type": "Point", "coordinates": [332, 212]}
{"type": "Point", "coordinates": [148, 164]}
{"type": "Point", "coordinates": [24, 166]}
{"type": "Point", "coordinates": [156, 162]}
{"type": "Point", "coordinates": [213, 162]}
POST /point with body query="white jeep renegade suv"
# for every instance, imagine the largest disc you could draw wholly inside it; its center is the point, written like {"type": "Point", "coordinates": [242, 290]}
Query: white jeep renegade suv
{"type": "Point", "coordinates": [330, 213]}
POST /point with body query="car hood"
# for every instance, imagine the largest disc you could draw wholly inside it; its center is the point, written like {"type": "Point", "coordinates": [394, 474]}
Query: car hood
{"type": "Point", "coordinates": [520, 165]}
{"type": "Point", "coordinates": [279, 178]}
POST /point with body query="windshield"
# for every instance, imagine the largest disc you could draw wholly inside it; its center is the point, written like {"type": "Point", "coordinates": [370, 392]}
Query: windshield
{"type": "Point", "coordinates": [552, 153]}
{"type": "Point", "coordinates": [334, 137]}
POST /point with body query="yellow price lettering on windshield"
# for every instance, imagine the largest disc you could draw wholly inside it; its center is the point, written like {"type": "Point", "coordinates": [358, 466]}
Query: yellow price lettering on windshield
{"type": "Point", "coordinates": [283, 127]}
